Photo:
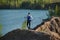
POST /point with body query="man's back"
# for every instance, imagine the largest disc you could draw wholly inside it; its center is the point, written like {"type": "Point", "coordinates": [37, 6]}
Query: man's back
{"type": "Point", "coordinates": [28, 17]}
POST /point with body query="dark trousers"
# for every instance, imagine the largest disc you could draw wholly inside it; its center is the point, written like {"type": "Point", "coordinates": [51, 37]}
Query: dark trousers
{"type": "Point", "coordinates": [28, 23]}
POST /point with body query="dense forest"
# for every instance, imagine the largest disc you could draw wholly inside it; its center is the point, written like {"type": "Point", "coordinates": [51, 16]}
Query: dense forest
{"type": "Point", "coordinates": [22, 4]}
{"type": "Point", "coordinates": [25, 4]}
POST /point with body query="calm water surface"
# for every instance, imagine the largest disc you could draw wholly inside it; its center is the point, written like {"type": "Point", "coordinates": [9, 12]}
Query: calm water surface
{"type": "Point", "coordinates": [13, 19]}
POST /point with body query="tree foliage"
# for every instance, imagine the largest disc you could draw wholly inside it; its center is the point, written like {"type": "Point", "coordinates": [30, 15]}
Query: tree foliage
{"type": "Point", "coordinates": [27, 4]}
{"type": "Point", "coordinates": [55, 12]}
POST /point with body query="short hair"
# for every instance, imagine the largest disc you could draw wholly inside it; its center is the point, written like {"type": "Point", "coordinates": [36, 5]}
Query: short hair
{"type": "Point", "coordinates": [29, 13]}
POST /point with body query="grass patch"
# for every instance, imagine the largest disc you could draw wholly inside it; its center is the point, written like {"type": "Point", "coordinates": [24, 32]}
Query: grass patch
{"type": "Point", "coordinates": [24, 25]}
{"type": "Point", "coordinates": [0, 30]}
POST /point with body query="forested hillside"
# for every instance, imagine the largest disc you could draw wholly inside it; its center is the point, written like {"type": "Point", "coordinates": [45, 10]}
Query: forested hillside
{"type": "Point", "coordinates": [25, 4]}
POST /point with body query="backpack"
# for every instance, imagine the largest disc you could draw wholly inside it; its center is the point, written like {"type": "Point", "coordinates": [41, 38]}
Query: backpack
{"type": "Point", "coordinates": [28, 17]}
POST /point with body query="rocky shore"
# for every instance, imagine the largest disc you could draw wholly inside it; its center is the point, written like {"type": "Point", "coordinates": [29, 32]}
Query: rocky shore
{"type": "Point", "coordinates": [48, 30]}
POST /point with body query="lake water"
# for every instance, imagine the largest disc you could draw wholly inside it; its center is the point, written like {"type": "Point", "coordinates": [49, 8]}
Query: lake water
{"type": "Point", "coordinates": [13, 19]}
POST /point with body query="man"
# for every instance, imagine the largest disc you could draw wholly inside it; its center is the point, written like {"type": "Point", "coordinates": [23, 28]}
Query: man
{"type": "Point", "coordinates": [29, 18]}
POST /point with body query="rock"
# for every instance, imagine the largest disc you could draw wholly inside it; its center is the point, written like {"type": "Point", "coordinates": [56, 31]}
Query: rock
{"type": "Point", "coordinates": [51, 27]}
{"type": "Point", "coordinates": [25, 35]}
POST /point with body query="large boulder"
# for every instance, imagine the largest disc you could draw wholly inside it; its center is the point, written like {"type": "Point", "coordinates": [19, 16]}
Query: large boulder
{"type": "Point", "coordinates": [51, 27]}
{"type": "Point", "coordinates": [25, 35]}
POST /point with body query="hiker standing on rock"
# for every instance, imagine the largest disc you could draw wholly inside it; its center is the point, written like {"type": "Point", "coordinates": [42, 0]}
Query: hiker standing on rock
{"type": "Point", "coordinates": [29, 19]}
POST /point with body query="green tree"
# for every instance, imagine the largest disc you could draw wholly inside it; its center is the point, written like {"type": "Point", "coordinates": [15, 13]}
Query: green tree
{"type": "Point", "coordinates": [55, 12]}
{"type": "Point", "coordinates": [0, 30]}
{"type": "Point", "coordinates": [25, 4]}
